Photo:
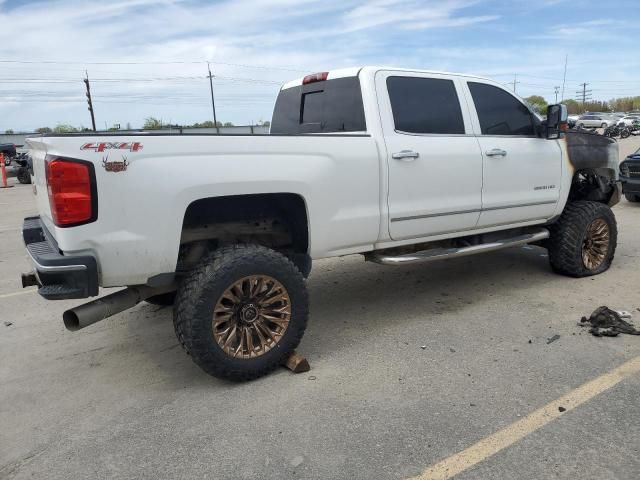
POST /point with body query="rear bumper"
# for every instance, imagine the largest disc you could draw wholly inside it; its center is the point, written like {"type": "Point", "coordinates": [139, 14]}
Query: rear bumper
{"type": "Point", "coordinates": [58, 276]}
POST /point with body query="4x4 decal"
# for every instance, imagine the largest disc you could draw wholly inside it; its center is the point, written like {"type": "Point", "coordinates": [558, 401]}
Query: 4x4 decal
{"type": "Point", "coordinates": [102, 146]}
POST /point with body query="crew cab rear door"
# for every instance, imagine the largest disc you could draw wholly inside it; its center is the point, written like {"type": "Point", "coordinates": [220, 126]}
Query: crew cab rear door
{"type": "Point", "coordinates": [521, 170]}
{"type": "Point", "coordinates": [434, 162]}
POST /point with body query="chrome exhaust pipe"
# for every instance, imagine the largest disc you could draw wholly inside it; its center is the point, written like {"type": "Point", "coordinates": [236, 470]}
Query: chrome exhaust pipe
{"type": "Point", "coordinates": [84, 315]}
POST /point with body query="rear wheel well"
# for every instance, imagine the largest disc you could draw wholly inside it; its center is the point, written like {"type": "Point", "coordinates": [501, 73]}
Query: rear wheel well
{"type": "Point", "coordinates": [275, 220]}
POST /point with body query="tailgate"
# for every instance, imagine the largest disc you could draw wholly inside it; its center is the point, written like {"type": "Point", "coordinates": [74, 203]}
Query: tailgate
{"type": "Point", "coordinates": [38, 151]}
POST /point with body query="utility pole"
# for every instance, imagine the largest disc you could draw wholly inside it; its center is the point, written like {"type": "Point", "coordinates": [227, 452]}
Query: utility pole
{"type": "Point", "coordinates": [86, 82]}
{"type": "Point", "coordinates": [515, 82]}
{"type": "Point", "coordinates": [584, 95]}
{"type": "Point", "coordinates": [213, 103]}
{"type": "Point", "coordinates": [564, 78]}
{"type": "Point", "coordinates": [557, 89]}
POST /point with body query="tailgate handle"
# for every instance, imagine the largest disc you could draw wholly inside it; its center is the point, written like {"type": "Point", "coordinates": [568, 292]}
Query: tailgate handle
{"type": "Point", "coordinates": [406, 155]}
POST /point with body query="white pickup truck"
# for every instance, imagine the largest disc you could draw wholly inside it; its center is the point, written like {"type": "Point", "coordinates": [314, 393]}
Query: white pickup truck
{"type": "Point", "coordinates": [401, 166]}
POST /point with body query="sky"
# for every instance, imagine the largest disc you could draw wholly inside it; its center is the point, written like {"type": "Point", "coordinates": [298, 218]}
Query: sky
{"type": "Point", "coordinates": [149, 57]}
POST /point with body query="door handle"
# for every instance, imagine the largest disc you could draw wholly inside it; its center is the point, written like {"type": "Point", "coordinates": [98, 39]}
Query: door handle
{"type": "Point", "coordinates": [496, 152]}
{"type": "Point", "coordinates": [407, 155]}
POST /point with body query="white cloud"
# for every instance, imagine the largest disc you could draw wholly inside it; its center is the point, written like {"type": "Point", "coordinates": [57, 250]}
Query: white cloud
{"type": "Point", "coordinates": [297, 35]}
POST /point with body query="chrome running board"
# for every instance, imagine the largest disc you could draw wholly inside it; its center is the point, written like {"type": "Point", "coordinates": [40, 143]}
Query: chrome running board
{"type": "Point", "coordinates": [442, 253]}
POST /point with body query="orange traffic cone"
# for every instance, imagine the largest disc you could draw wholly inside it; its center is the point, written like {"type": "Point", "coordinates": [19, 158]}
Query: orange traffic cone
{"type": "Point", "coordinates": [4, 172]}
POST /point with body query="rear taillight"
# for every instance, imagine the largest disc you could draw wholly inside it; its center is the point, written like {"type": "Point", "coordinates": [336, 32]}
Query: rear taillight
{"type": "Point", "coordinates": [315, 77]}
{"type": "Point", "coordinates": [71, 187]}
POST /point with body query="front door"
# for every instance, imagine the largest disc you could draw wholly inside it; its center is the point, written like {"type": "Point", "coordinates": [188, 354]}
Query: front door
{"type": "Point", "coordinates": [434, 161]}
{"type": "Point", "coordinates": [521, 171]}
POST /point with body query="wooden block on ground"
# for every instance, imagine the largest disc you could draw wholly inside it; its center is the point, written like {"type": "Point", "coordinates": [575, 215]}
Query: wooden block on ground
{"type": "Point", "coordinates": [297, 363]}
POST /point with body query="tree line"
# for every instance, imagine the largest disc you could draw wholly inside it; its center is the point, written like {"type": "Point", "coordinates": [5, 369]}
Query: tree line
{"type": "Point", "coordinates": [622, 104]}
{"type": "Point", "coordinates": [150, 123]}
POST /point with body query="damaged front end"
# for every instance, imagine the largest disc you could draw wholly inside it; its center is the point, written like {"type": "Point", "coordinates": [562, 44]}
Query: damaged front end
{"type": "Point", "coordinates": [594, 159]}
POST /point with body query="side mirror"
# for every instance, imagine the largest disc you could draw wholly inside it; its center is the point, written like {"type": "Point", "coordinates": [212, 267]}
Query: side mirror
{"type": "Point", "coordinates": [556, 120]}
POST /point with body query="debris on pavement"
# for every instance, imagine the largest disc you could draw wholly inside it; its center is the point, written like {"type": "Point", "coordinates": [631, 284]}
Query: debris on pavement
{"type": "Point", "coordinates": [297, 363]}
{"type": "Point", "coordinates": [605, 322]}
{"type": "Point", "coordinates": [552, 339]}
{"type": "Point", "coordinates": [562, 409]}
{"type": "Point", "coordinates": [8, 324]}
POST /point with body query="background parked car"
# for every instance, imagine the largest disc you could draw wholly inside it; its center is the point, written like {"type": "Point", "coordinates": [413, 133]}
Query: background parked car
{"type": "Point", "coordinates": [594, 121]}
{"type": "Point", "coordinates": [572, 119]}
{"type": "Point", "coordinates": [628, 120]}
{"type": "Point", "coordinates": [9, 151]}
{"type": "Point", "coordinates": [630, 177]}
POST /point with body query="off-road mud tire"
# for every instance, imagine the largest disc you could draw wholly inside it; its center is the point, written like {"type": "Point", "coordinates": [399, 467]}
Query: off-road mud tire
{"type": "Point", "coordinates": [23, 175]}
{"type": "Point", "coordinates": [200, 290]}
{"type": "Point", "coordinates": [568, 235]}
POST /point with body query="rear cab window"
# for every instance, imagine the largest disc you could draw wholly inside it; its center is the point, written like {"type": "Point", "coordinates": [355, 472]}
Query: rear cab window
{"type": "Point", "coordinates": [328, 106]}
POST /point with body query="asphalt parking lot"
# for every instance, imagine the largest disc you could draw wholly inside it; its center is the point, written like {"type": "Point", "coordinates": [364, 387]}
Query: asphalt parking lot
{"type": "Point", "coordinates": [410, 366]}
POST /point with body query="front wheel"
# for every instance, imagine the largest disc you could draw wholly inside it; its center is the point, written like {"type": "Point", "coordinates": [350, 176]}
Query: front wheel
{"type": "Point", "coordinates": [625, 133]}
{"type": "Point", "coordinates": [583, 241]}
{"type": "Point", "coordinates": [241, 312]}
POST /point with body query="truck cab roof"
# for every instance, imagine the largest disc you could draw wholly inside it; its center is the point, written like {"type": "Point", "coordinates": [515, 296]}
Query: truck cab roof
{"type": "Point", "coordinates": [371, 70]}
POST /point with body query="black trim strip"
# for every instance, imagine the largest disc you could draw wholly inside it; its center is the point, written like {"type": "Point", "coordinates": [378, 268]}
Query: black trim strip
{"type": "Point", "coordinates": [549, 202]}
{"type": "Point", "coordinates": [462, 212]}
{"type": "Point", "coordinates": [431, 215]}
{"type": "Point", "coordinates": [484, 228]}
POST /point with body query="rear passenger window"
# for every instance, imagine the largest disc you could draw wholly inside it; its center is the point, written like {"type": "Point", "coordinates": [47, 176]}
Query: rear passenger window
{"type": "Point", "coordinates": [499, 112]}
{"type": "Point", "coordinates": [425, 105]}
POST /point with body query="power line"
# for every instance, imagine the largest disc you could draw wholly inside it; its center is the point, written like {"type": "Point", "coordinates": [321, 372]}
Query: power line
{"type": "Point", "coordinates": [194, 62]}
{"type": "Point", "coordinates": [139, 79]}
{"type": "Point", "coordinates": [557, 78]}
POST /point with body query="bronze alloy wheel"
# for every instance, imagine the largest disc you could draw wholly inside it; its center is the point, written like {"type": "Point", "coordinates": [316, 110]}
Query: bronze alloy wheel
{"type": "Point", "coordinates": [596, 244]}
{"type": "Point", "coordinates": [251, 316]}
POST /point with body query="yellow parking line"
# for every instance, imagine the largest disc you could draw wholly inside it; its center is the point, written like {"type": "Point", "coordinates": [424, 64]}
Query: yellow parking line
{"type": "Point", "coordinates": [515, 432]}
{"type": "Point", "coordinates": [15, 294]}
